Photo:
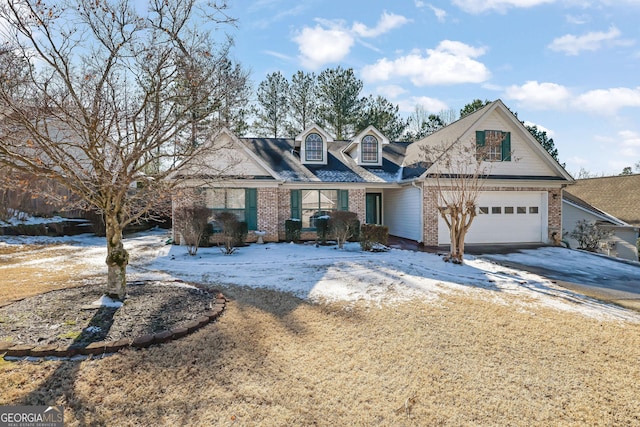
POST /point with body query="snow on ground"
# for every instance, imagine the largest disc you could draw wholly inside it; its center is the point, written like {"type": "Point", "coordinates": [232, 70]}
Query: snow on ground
{"type": "Point", "coordinates": [326, 273]}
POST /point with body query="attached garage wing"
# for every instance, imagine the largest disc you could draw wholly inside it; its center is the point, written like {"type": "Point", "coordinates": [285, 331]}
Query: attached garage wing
{"type": "Point", "coordinates": [505, 217]}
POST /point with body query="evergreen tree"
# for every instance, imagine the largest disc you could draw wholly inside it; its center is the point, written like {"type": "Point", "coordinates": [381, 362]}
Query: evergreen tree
{"type": "Point", "coordinates": [473, 106]}
{"type": "Point", "coordinates": [382, 114]}
{"type": "Point", "coordinates": [546, 142]}
{"type": "Point", "coordinates": [272, 105]}
{"type": "Point", "coordinates": [302, 101]}
{"type": "Point", "coordinates": [338, 94]}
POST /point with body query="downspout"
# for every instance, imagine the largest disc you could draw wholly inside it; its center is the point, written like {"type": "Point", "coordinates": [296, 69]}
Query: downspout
{"type": "Point", "coordinates": [413, 184]}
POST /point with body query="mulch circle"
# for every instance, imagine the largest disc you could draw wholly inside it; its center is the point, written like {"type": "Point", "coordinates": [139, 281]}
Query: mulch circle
{"type": "Point", "coordinates": [63, 323]}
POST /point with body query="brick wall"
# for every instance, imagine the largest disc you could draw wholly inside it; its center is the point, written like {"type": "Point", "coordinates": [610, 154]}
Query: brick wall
{"type": "Point", "coordinates": [555, 213]}
{"type": "Point", "coordinates": [284, 210]}
{"type": "Point", "coordinates": [268, 213]}
{"type": "Point", "coordinates": [430, 218]}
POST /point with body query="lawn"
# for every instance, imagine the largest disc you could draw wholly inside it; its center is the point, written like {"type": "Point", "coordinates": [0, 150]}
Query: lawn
{"type": "Point", "coordinates": [356, 339]}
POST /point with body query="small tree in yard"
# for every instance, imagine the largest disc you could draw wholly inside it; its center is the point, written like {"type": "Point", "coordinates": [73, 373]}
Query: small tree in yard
{"type": "Point", "coordinates": [589, 235]}
{"type": "Point", "coordinates": [343, 225]}
{"type": "Point", "coordinates": [113, 98]}
{"type": "Point", "coordinates": [457, 172]}
{"type": "Point", "coordinates": [192, 223]}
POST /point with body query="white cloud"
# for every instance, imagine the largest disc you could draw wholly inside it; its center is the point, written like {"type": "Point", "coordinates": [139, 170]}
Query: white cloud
{"type": "Point", "coordinates": [331, 41]}
{"type": "Point", "coordinates": [630, 138]}
{"type": "Point", "coordinates": [390, 91]}
{"type": "Point", "coordinates": [479, 6]}
{"type": "Point", "coordinates": [441, 14]}
{"type": "Point", "coordinates": [549, 132]}
{"type": "Point", "coordinates": [577, 19]}
{"type": "Point", "coordinates": [573, 45]}
{"type": "Point", "coordinates": [387, 22]}
{"type": "Point", "coordinates": [608, 101]}
{"type": "Point", "coordinates": [320, 45]}
{"type": "Point", "coordinates": [539, 95]}
{"type": "Point", "coordinates": [419, 4]}
{"type": "Point", "coordinates": [451, 62]}
{"type": "Point", "coordinates": [429, 104]}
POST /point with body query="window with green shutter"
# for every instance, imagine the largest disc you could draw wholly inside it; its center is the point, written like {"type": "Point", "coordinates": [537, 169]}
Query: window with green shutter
{"type": "Point", "coordinates": [493, 145]}
{"type": "Point", "coordinates": [243, 202]}
{"type": "Point", "coordinates": [309, 205]}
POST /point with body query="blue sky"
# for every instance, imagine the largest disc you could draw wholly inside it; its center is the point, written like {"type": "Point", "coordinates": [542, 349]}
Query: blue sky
{"type": "Point", "coordinates": [571, 67]}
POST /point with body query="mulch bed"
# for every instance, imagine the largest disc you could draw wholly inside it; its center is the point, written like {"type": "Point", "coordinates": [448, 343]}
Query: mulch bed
{"type": "Point", "coordinates": [66, 318]}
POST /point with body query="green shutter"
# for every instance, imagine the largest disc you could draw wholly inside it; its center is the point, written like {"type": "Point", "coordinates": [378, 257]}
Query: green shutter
{"type": "Point", "coordinates": [343, 200]}
{"type": "Point", "coordinates": [506, 147]}
{"type": "Point", "coordinates": [251, 208]}
{"type": "Point", "coordinates": [480, 138]}
{"type": "Point", "coordinates": [296, 198]}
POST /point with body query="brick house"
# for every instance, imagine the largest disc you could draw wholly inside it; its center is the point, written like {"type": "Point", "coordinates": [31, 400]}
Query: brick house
{"type": "Point", "coordinates": [266, 181]}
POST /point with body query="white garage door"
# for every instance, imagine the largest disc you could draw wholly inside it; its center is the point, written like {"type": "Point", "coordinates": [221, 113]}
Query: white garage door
{"type": "Point", "coordinates": [505, 217]}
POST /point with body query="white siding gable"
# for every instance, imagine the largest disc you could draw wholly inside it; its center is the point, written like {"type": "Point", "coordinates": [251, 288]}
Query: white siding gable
{"type": "Point", "coordinates": [526, 158]}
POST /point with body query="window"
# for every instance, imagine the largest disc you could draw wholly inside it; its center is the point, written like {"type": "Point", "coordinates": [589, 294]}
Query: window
{"type": "Point", "coordinates": [483, 210]}
{"type": "Point", "coordinates": [493, 145]}
{"type": "Point", "coordinates": [369, 149]}
{"type": "Point", "coordinates": [522, 209]}
{"type": "Point", "coordinates": [496, 210]}
{"type": "Point", "coordinates": [313, 147]}
{"type": "Point", "coordinates": [241, 201]}
{"type": "Point", "coordinates": [309, 205]}
{"type": "Point", "coordinates": [508, 209]}
{"type": "Point", "coordinates": [533, 209]}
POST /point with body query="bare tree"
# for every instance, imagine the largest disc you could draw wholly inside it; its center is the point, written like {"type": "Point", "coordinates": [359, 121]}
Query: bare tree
{"type": "Point", "coordinates": [457, 172]}
{"type": "Point", "coordinates": [113, 96]}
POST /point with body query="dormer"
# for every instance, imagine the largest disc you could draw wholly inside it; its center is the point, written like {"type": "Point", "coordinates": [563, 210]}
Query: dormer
{"type": "Point", "coordinates": [313, 143]}
{"type": "Point", "coordinates": [366, 147]}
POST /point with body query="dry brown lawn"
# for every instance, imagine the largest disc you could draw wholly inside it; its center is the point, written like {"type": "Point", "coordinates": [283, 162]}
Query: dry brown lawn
{"type": "Point", "coordinates": [274, 360]}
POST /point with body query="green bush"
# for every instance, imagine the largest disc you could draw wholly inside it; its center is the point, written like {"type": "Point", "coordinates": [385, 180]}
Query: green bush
{"type": "Point", "coordinates": [370, 234]}
{"type": "Point", "coordinates": [343, 225]}
{"type": "Point", "coordinates": [292, 230]}
{"type": "Point", "coordinates": [322, 229]}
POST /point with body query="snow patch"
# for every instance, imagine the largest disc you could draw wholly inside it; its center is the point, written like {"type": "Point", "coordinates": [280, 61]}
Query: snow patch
{"type": "Point", "coordinates": [105, 301]}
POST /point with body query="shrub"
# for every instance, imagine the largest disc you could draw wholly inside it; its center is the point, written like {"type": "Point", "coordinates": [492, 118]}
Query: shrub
{"type": "Point", "coordinates": [589, 235]}
{"type": "Point", "coordinates": [192, 223]}
{"type": "Point", "coordinates": [322, 229]}
{"type": "Point", "coordinates": [292, 230]}
{"type": "Point", "coordinates": [372, 234]}
{"type": "Point", "coordinates": [343, 225]}
{"type": "Point", "coordinates": [232, 230]}
{"type": "Point", "coordinates": [240, 233]}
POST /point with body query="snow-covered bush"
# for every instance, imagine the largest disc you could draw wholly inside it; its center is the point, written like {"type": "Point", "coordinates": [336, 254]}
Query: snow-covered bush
{"type": "Point", "coordinates": [589, 235]}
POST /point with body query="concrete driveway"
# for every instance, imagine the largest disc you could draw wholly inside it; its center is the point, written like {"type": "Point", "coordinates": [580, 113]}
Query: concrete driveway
{"type": "Point", "coordinates": [597, 276]}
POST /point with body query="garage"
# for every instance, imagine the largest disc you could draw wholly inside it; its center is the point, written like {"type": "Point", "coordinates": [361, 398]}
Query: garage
{"type": "Point", "coordinates": [505, 217]}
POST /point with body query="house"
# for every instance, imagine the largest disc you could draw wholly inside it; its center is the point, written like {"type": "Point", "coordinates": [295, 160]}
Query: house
{"type": "Point", "coordinates": [266, 181]}
{"type": "Point", "coordinates": [611, 202]}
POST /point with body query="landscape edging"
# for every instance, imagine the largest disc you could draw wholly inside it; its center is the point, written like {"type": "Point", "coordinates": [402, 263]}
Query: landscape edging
{"type": "Point", "coordinates": [217, 307]}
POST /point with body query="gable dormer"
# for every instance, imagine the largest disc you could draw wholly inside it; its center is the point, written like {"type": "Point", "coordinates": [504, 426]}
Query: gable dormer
{"type": "Point", "coordinates": [366, 147]}
{"type": "Point", "coordinates": [313, 143]}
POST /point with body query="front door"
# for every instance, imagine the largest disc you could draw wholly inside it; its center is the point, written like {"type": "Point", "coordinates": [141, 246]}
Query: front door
{"type": "Point", "coordinates": [374, 208]}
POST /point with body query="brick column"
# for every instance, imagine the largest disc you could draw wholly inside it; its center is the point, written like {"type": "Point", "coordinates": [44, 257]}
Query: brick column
{"type": "Point", "coordinates": [357, 203]}
{"type": "Point", "coordinates": [554, 214]}
{"type": "Point", "coordinates": [284, 210]}
{"type": "Point", "coordinates": [268, 213]}
{"type": "Point", "coordinates": [429, 218]}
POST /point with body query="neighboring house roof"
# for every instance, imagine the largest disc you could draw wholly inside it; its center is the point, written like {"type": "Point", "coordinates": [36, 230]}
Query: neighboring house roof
{"type": "Point", "coordinates": [581, 204]}
{"type": "Point", "coordinates": [617, 195]}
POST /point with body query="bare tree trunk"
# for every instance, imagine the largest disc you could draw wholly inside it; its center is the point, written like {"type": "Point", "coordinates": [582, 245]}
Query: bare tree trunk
{"type": "Point", "coordinates": [117, 259]}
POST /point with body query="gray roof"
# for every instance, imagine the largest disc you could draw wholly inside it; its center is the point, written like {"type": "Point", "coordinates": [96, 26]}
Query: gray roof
{"type": "Point", "coordinates": [281, 155]}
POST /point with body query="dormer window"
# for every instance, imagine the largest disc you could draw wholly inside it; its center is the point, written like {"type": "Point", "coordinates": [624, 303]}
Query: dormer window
{"type": "Point", "coordinates": [313, 148]}
{"type": "Point", "coordinates": [369, 149]}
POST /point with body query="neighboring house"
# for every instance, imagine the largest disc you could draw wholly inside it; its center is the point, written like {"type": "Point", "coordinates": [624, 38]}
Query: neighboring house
{"type": "Point", "coordinates": [269, 180]}
{"type": "Point", "coordinates": [612, 202]}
